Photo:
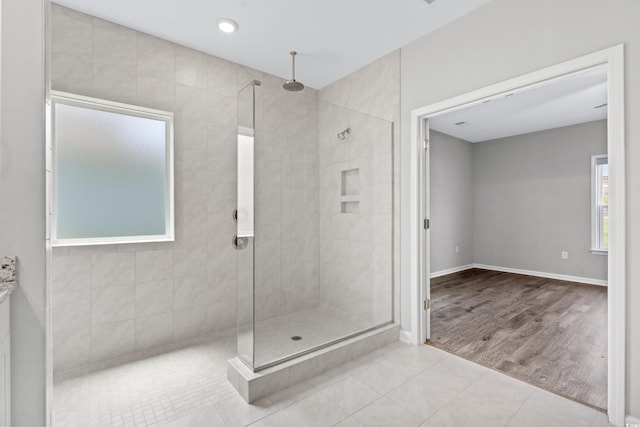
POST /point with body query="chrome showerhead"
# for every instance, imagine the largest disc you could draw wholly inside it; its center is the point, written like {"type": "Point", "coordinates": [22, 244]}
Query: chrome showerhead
{"type": "Point", "coordinates": [293, 85]}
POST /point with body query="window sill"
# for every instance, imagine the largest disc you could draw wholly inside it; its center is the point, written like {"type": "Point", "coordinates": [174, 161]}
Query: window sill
{"type": "Point", "coordinates": [599, 251]}
{"type": "Point", "coordinates": [95, 241]}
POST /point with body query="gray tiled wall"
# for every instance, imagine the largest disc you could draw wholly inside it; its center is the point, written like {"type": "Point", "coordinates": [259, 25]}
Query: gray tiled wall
{"type": "Point", "coordinates": [115, 300]}
{"type": "Point", "coordinates": [358, 262]}
{"type": "Point", "coordinates": [286, 201]}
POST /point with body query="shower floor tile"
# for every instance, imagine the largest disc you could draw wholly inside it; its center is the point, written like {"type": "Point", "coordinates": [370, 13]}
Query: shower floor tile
{"type": "Point", "coordinates": [148, 392]}
{"type": "Point", "coordinates": [188, 388]}
{"type": "Point", "coordinates": [315, 326]}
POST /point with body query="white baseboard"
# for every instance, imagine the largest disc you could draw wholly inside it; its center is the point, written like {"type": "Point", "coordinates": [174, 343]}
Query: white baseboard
{"type": "Point", "coordinates": [450, 271]}
{"type": "Point", "coordinates": [568, 278]}
{"type": "Point", "coordinates": [405, 336]}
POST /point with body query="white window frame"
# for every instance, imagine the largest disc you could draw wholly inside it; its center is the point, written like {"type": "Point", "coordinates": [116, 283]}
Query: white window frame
{"type": "Point", "coordinates": [58, 97]}
{"type": "Point", "coordinates": [596, 226]}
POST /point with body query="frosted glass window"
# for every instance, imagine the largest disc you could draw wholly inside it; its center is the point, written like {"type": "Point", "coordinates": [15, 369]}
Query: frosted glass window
{"type": "Point", "coordinates": [113, 177]}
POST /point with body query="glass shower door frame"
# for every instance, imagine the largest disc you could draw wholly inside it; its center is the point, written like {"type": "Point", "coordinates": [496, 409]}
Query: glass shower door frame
{"type": "Point", "coordinates": [244, 239]}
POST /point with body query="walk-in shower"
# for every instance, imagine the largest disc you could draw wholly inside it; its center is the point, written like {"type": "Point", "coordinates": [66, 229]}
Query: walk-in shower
{"type": "Point", "coordinates": [314, 224]}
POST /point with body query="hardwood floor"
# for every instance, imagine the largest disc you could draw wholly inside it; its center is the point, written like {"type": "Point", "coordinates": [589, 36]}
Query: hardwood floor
{"type": "Point", "coordinates": [549, 333]}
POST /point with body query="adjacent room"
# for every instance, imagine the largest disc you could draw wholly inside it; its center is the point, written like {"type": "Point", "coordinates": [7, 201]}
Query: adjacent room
{"type": "Point", "coordinates": [519, 235]}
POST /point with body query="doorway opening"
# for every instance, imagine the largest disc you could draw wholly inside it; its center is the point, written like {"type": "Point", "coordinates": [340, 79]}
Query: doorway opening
{"type": "Point", "coordinates": [515, 283]}
{"type": "Point", "coordinates": [612, 60]}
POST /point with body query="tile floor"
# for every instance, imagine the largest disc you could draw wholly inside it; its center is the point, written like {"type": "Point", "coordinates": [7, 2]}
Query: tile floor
{"type": "Point", "coordinates": [148, 392]}
{"type": "Point", "coordinates": [316, 326]}
{"type": "Point", "coordinates": [397, 385]}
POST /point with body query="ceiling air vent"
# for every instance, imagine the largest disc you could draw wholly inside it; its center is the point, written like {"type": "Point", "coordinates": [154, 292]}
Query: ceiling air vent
{"type": "Point", "coordinates": [462, 124]}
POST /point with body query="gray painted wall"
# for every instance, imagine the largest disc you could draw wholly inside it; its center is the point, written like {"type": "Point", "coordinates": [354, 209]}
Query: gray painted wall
{"type": "Point", "coordinates": [516, 202]}
{"type": "Point", "coordinates": [526, 36]}
{"type": "Point", "coordinates": [451, 164]}
{"type": "Point", "coordinates": [532, 200]}
{"type": "Point", "coordinates": [22, 201]}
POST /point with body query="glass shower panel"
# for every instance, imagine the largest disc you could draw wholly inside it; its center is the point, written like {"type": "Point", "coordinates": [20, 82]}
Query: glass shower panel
{"type": "Point", "coordinates": [244, 238]}
{"type": "Point", "coordinates": [355, 219]}
{"type": "Point", "coordinates": [286, 197]}
{"type": "Point", "coordinates": [323, 226]}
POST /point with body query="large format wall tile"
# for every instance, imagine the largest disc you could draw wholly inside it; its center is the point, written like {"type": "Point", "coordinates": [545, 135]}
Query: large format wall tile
{"type": "Point", "coordinates": [144, 295]}
{"type": "Point", "coordinates": [356, 247]}
{"type": "Point", "coordinates": [76, 313]}
{"type": "Point", "coordinates": [154, 297]}
{"type": "Point", "coordinates": [112, 269]}
{"type": "Point", "coordinates": [72, 348]}
{"type": "Point", "coordinates": [72, 54]}
{"type": "Point", "coordinates": [71, 272]}
{"type": "Point", "coordinates": [168, 292]}
{"type": "Point", "coordinates": [189, 323]}
{"type": "Point", "coordinates": [112, 339]}
{"type": "Point", "coordinates": [153, 331]}
{"type": "Point", "coordinates": [112, 303]}
{"type": "Point", "coordinates": [156, 58]}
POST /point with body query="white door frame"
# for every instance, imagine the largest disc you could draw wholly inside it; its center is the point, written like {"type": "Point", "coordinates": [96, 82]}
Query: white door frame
{"type": "Point", "coordinates": [613, 59]}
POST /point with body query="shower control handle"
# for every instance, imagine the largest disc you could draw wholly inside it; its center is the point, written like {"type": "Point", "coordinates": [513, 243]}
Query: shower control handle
{"type": "Point", "coordinates": [239, 243]}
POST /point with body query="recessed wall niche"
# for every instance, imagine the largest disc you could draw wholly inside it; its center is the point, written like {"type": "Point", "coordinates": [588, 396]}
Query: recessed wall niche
{"type": "Point", "coordinates": [350, 191]}
{"type": "Point", "coordinates": [350, 182]}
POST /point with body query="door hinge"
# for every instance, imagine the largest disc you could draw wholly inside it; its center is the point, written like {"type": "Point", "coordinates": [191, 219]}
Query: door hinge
{"type": "Point", "coordinates": [427, 304]}
{"type": "Point", "coordinates": [426, 224]}
{"type": "Point", "coordinates": [426, 143]}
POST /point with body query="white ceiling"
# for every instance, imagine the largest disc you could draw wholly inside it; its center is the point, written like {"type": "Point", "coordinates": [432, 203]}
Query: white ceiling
{"type": "Point", "coordinates": [333, 37]}
{"type": "Point", "coordinates": [336, 37]}
{"type": "Point", "coordinates": [568, 101]}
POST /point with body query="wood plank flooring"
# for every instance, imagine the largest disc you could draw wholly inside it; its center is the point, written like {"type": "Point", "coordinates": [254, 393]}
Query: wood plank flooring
{"type": "Point", "coordinates": [549, 333]}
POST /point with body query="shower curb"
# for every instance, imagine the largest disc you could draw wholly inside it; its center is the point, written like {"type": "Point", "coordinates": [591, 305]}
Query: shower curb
{"type": "Point", "coordinates": [253, 386]}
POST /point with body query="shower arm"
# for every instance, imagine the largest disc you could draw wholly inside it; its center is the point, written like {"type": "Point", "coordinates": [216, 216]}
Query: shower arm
{"type": "Point", "coordinates": [293, 65]}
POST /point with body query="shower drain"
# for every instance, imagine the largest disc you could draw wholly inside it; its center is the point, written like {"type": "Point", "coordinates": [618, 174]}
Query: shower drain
{"type": "Point", "coordinates": [296, 338]}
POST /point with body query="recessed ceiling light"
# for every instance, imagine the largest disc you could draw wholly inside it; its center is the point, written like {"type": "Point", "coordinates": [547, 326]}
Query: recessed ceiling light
{"type": "Point", "coordinates": [227, 25]}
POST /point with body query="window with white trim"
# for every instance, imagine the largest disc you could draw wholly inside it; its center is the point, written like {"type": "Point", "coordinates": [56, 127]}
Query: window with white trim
{"type": "Point", "coordinates": [112, 172]}
{"type": "Point", "coordinates": [599, 204]}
